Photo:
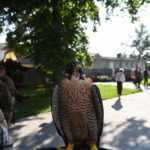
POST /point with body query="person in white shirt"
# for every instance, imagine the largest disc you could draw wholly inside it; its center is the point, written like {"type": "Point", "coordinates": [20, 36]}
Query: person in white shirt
{"type": "Point", "coordinates": [120, 78]}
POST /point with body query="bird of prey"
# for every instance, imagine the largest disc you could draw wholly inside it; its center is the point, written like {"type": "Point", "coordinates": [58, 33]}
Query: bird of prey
{"type": "Point", "coordinates": [77, 109]}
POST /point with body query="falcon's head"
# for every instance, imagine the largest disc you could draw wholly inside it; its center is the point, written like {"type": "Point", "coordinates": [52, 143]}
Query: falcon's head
{"type": "Point", "coordinates": [74, 68]}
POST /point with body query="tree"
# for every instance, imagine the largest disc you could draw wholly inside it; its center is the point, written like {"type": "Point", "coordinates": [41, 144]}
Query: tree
{"type": "Point", "coordinates": [122, 55]}
{"type": "Point", "coordinates": [141, 43]}
{"type": "Point", "coordinates": [51, 32]}
{"type": "Point", "coordinates": [133, 55]}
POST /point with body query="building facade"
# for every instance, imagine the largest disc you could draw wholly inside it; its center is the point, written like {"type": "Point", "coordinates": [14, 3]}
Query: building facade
{"type": "Point", "coordinates": [114, 63]}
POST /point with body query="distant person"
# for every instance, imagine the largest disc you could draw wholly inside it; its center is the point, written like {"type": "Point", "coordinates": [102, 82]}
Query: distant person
{"type": "Point", "coordinates": [8, 82]}
{"type": "Point", "coordinates": [138, 76]}
{"type": "Point", "coordinates": [120, 78]}
{"type": "Point", "coordinates": [135, 81]}
{"type": "Point", "coordinates": [145, 75]}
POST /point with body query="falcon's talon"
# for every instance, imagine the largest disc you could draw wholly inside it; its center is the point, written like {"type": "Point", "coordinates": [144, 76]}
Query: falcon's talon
{"type": "Point", "coordinates": [93, 147]}
{"type": "Point", "coordinates": [59, 148]}
{"type": "Point", "coordinates": [70, 146]}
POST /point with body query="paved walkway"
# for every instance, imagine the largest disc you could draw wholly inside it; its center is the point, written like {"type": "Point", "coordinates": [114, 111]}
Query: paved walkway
{"type": "Point", "coordinates": [126, 125]}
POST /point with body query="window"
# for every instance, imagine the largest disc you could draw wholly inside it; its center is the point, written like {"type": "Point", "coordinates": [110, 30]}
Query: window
{"type": "Point", "coordinates": [120, 65]}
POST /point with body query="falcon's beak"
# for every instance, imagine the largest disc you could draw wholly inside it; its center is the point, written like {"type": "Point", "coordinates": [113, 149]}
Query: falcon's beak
{"type": "Point", "coordinates": [78, 69]}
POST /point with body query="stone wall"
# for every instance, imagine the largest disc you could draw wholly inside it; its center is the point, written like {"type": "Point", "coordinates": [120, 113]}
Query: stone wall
{"type": "Point", "coordinates": [34, 76]}
{"type": "Point", "coordinates": [95, 72]}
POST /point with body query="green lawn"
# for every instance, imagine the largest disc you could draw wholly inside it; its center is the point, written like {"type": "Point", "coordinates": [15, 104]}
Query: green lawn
{"type": "Point", "coordinates": [148, 82]}
{"type": "Point", "coordinates": [109, 91]}
{"type": "Point", "coordinates": [39, 100]}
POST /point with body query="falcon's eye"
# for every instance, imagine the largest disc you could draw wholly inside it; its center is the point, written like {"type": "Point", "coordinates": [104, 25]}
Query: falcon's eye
{"type": "Point", "coordinates": [73, 67]}
{"type": "Point", "coordinates": [81, 70]}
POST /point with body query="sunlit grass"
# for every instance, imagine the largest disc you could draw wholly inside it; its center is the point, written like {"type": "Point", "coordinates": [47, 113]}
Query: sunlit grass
{"type": "Point", "coordinates": [109, 91]}
{"type": "Point", "coordinates": [39, 99]}
{"type": "Point", "coordinates": [38, 102]}
{"type": "Point", "coordinates": [142, 82]}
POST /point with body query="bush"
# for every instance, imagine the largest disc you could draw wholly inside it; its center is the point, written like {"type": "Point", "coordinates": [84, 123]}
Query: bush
{"type": "Point", "coordinates": [105, 79]}
{"type": "Point", "coordinates": [101, 79]}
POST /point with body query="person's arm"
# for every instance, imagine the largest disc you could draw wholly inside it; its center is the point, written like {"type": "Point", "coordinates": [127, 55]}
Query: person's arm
{"type": "Point", "coordinates": [124, 78]}
{"type": "Point", "coordinates": [5, 142]}
{"type": "Point", "coordinates": [116, 77]}
{"type": "Point", "coordinates": [3, 120]}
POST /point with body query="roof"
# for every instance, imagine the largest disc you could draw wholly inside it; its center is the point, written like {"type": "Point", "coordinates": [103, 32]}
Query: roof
{"type": "Point", "coordinates": [9, 55]}
{"type": "Point", "coordinates": [24, 60]}
{"type": "Point", "coordinates": [117, 58]}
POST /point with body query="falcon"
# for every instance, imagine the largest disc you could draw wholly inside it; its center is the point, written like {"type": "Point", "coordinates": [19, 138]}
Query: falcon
{"type": "Point", "coordinates": [77, 109]}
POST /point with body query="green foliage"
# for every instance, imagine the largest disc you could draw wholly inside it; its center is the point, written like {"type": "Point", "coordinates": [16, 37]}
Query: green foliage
{"type": "Point", "coordinates": [133, 55]}
{"type": "Point", "coordinates": [122, 55]}
{"type": "Point", "coordinates": [147, 65]}
{"type": "Point", "coordinates": [51, 32]}
{"type": "Point", "coordinates": [141, 43]}
{"type": "Point", "coordinates": [131, 6]}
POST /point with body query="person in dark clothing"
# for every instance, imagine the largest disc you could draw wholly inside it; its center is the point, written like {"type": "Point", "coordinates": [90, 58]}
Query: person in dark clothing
{"type": "Point", "coordinates": [138, 75]}
{"type": "Point", "coordinates": [145, 75]}
{"type": "Point", "coordinates": [120, 78]}
{"type": "Point", "coordinates": [136, 80]}
{"type": "Point", "coordinates": [8, 82]}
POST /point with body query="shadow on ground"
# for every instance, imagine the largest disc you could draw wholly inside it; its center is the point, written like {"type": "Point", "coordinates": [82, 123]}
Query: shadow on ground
{"type": "Point", "coordinates": [132, 134]}
{"type": "Point", "coordinates": [46, 136]}
{"type": "Point", "coordinates": [117, 105]}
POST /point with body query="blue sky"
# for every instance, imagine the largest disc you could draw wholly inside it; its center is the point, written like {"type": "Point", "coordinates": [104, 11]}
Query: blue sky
{"type": "Point", "coordinates": [110, 35]}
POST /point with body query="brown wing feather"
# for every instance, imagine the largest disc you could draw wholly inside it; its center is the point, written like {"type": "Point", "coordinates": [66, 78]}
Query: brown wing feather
{"type": "Point", "coordinates": [77, 112]}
